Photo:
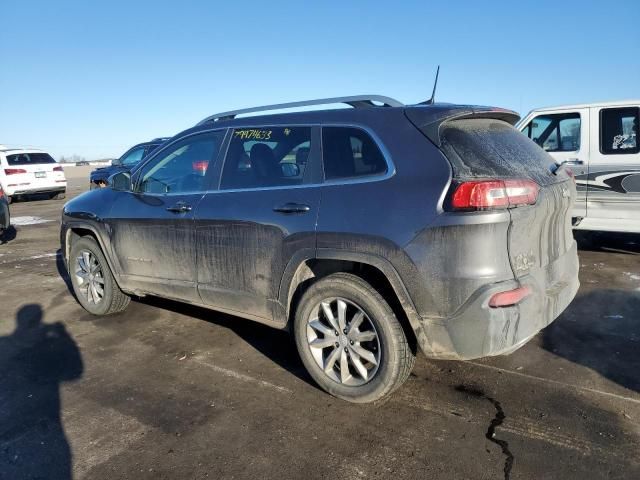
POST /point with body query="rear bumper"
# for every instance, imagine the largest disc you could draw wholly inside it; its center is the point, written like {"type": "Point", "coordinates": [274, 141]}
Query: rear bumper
{"type": "Point", "coordinates": [478, 330]}
{"type": "Point", "coordinates": [59, 188]}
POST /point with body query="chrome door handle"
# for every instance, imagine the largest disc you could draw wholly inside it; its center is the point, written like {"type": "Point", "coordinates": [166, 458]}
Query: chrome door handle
{"type": "Point", "coordinates": [573, 161]}
{"type": "Point", "coordinates": [292, 208]}
{"type": "Point", "coordinates": [179, 207]}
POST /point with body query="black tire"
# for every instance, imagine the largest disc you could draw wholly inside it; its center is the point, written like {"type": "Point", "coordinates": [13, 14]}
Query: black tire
{"type": "Point", "coordinates": [58, 196]}
{"type": "Point", "coordinates": [9, 199]}
{"type": "Point", "coordinates": [113, 299]}
{"type": "Point", "coordinates": [396, 356]}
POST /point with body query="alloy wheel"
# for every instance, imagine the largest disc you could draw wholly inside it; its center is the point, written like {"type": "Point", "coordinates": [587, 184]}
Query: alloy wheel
{"type": "Point", "coordinates": [343, 341]}
{"type": "Point", "coordinates": [89, 277]}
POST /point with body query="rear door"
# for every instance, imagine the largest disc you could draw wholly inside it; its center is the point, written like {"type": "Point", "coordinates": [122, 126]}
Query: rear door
{"type": "Point", "coordinates": [263, 214]}
{"type": "Point", "coordinates": [152, 229]}
{"type": "Point", "coordinates": [564, 134]}
{"type": "Point", "coordinates": [613, 183]}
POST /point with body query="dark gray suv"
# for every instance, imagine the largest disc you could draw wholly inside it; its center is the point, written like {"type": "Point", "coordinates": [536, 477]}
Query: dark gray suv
{"type": "Point", "coordinates": [367, 232]}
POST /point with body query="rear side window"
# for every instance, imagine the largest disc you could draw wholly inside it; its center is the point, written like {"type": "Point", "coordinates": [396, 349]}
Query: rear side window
{"type": "Point", "coordinates": [556, 133]}
{"type": "Point", "coordinates": [487, 148]}
{"type": "Point", "coordinates": [619, 131]}
{"type": "Point", "coordinates": [350, 153]}
{"type": "Point", "coordinates": [266, 157]}
{"type": "Point", "coordinates": [29, 159]}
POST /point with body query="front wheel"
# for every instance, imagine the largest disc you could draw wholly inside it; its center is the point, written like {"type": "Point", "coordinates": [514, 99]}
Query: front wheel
{"type": "Point", "coordinates": [92, 280]}
{"type": "Point", "coordinates": [350, 340]}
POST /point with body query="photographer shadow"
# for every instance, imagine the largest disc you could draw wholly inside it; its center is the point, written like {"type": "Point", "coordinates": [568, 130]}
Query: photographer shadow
{"type": "Point", "coordinates": [34, 360]}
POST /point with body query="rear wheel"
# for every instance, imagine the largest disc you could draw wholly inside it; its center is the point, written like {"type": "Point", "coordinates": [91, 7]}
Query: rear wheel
{"type": "Point", "coordinates": [58, 196]}
{"type": "Point", "coordinates": [350, 340]}
{"type": "Point", "coordinates": [93, 283]}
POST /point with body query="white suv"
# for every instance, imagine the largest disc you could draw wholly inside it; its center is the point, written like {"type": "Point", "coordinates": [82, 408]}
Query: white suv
{"type": "Point", "coordinates": [29, 171]}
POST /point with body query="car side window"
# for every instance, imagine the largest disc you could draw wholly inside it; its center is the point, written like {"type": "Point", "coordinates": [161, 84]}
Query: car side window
{"type": "Point", "coordinates": [619, 131]}
{"type": "Point", "coordinates": [556, 132]}
{"type": "Point", "coordinates": [349, 152]}
{"type": "Point", "coordinates": [266, 157]}
{"type": "Point", "coordinates": [182, 167]}
{"type": "Point", "coordinates": [133, 157]}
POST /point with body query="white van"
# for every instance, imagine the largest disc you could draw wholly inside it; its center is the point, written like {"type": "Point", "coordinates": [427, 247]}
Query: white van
{"type": "Point", "coordinates": [600, 143]}
{"type": "Point", "coordinates": [28, 171]}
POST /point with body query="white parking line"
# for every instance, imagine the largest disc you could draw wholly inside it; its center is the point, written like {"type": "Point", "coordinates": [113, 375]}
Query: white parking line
{"type": "Point", "coordinates": [240, 376]}
{"type": "Point", "coordinates": [29, 220]}
{"type": "Point", "coordinates": [556, 382]}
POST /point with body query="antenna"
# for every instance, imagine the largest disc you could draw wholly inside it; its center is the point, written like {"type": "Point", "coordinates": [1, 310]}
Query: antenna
{"type": "Point", "coordinates": [433, 93]}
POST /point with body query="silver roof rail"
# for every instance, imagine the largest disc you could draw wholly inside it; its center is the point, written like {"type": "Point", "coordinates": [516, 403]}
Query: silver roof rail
{"type": "Point", "coordinates": [356, 101]}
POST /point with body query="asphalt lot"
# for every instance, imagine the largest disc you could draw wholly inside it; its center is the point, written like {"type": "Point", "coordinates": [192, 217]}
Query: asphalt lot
{"type": "Point", "coordinates": [171, 391]}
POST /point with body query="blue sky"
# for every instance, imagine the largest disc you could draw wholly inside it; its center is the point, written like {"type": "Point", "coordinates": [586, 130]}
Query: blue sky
{"type": "Point", "coordinates": [93, 79]}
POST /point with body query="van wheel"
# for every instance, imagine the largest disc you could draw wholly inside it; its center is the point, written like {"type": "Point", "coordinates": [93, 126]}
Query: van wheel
{"type": "Point", "coordinates": [350, 341]}
{"type": "Point", "coordinates": [9, 199]}
{"type": "Point", "coordinates": [58, 196]}
{"type": "Point", "coordinates": [93, 284]}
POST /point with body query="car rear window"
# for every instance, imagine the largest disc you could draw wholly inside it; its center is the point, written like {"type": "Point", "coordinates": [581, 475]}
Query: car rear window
{"type": "Point", "coordinates": [29, 159]}
{"type": "Point", "coordinates": [488, 148]}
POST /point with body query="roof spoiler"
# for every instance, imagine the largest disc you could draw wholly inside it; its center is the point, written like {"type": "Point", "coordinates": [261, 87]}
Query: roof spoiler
{"type": "Point", "coordinates": [429, 120]}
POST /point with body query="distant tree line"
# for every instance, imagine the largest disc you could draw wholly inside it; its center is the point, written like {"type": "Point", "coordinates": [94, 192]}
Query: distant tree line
{"type": "Point", "coordinates": [72, 159]}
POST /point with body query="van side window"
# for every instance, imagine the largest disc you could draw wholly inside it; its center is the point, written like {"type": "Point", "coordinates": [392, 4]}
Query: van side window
{"type": "Point", "coordinates": [350, 152]}
{"type": "Point", "coordinates": [260, 157]}
{"type": "Point", "coordinates": [619, 131]}
{"type": "Point", "coordinates": [555, 133]}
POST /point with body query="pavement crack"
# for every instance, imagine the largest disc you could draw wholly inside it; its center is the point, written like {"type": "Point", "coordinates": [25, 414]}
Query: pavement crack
{"type": "Point", "coordinates": [495, 422]}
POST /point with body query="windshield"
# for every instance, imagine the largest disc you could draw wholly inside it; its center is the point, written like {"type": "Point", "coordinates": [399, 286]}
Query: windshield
{"type": "Point", "coordinates": [130, 158]}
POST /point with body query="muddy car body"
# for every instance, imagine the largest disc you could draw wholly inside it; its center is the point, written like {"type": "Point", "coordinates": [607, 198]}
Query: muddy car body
{"type": "Point", "coordinates": [435, 226]}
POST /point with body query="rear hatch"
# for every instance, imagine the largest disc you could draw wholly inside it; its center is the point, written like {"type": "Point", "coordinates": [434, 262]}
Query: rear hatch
{"type": "Point", "coordinates": [33, 171]}
{"type": "Point", "coordinates": [482, 145]}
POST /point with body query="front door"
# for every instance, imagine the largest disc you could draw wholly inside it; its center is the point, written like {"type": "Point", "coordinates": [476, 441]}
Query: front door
{"type": "Point", "coordinates": [152, 227]}
{"type": "Point", "coordinates": [564, 134]}
{"type": "Point", "coordinates": [264, 211]}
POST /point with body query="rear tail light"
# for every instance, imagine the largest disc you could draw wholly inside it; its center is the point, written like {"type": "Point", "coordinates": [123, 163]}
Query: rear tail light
{"type": "Point", "coordinates": [1, 192]}
{"type": "Point", "coordinates": [58, 169]}
{"type": "Point", "coordinates": [489, 194]}
{"type": "Point", "coordinates": [509, 298]}
{"type": "Point", "coordinates": [14, 171]}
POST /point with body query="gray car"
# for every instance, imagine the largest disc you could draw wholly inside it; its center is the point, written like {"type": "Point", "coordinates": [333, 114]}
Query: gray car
{"type": "Point", "coordinates": [368, 233]}
{"type": "Point", "coordinates": [5, 214]}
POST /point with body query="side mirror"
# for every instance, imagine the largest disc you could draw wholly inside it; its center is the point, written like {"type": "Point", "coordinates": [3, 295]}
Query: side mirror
{"type": "Point", "coordinates": [120, 181]}
{"type": "Point", "coordinates": [290, 170]}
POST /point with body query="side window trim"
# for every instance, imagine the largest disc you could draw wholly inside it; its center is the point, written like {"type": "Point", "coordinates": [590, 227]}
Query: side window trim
{"type": "Point", "coordinates": [210, 176]}
{"type": "Point", "coordinates": [318, 167]}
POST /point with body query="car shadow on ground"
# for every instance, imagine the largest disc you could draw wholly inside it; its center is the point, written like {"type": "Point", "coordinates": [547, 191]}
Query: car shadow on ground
{"type": "Point", "coordinates": [62, 271]}
{"type": "Point", "coordinates": [8, 235]}
{"type": "Point", "coordinates": [628, 243]}
{"type": "Point", "coordinates": [276, 345]}
{"type": "Point", "coordinates": [605, 339]}
{"type": "Point", "coordinates": [34, 360]}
